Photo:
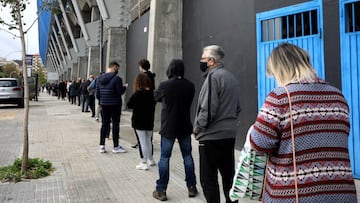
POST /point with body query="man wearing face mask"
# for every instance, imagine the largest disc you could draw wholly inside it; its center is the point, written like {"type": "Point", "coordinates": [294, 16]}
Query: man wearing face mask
{"type": "Point", "coordinates": [215, 124]}
{"type": "Point", "coordinates": [109, 88]}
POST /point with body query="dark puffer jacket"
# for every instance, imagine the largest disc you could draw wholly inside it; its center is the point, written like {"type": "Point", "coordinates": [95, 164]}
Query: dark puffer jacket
{"type": "Point", "coordinates": [109, 88]}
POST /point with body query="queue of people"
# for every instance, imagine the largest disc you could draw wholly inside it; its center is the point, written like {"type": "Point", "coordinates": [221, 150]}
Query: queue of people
{"type": "Point", "coordinates": [321, 127]}
{"type": "Point", "coordinates": [80, 92]}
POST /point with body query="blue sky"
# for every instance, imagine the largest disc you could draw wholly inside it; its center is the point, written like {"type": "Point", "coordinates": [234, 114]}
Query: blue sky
{"type": "Point", "coordinates": [10, 47]}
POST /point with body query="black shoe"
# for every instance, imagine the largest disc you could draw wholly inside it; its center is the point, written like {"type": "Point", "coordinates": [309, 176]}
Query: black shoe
{"type": "Point", "coordinates": [134, 146]}
{"type": "Point", "coordinates": [192, 191]}
{"type": "Point", "coordinates": [160, 195]}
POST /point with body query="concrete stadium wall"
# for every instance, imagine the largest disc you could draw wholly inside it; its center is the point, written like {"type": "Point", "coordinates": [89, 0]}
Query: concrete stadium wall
{"type": "Point", "coordinates": [232, 26]}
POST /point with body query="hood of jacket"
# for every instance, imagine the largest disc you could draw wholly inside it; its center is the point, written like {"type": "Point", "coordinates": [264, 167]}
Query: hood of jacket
{"type": "Point", "coordinates": [150, 74]}
{"type": "Point", "coordinates": [106, 78]}
{"type": "Point", "coordinates": [176, 69]}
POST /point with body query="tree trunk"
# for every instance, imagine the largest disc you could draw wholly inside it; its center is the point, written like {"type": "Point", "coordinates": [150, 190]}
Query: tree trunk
{"type": "Point", "coordinates": [25, 156]}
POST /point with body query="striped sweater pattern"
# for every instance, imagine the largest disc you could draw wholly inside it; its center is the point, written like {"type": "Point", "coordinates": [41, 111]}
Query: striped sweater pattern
{"type": "Point", "coordinates": [321, 129]}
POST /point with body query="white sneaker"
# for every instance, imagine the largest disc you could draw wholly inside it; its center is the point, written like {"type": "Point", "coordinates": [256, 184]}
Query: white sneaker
{"type": "Point", "coordinates": [102, 149]}
{"type": "Point", "coordinates": [152, 163]}
{"type": "Point", "coordinates": [119, 149]}
{"type": "Point", "coordinates": [142, 166]}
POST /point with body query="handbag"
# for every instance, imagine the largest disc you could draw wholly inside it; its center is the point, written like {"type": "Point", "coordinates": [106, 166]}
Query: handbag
{"type": "Point", "coordinates": [249, 176]}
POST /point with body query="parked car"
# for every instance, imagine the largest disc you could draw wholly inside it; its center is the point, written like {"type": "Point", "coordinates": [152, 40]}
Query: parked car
{"type": "Point", "coordinates": [11, 92]}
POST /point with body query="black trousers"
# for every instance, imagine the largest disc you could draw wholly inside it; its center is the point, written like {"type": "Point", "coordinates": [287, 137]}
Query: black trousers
{"type": "Point", "coordinates": [110, 114]}
{"type": "Point", "coordinates": [91, 104]}
{"type": "Point", "coordinates": [216, 155]}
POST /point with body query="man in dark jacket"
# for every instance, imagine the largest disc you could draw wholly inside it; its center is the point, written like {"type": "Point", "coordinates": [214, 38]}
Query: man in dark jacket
{"type": "Point", "coordinates": [176, 95]}
{"type": "Point", "coordinates": [109, 88]}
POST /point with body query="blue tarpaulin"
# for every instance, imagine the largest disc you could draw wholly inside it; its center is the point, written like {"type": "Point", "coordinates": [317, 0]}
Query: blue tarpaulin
{"type": "Point", "coordinates": [44, 29]}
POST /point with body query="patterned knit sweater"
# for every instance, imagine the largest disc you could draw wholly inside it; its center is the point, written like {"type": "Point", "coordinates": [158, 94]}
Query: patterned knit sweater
{"type": "Point", "coordinates": [321, 129]}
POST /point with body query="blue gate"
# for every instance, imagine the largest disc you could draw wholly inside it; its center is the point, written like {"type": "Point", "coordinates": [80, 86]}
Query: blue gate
{"type": "Point", "coordinates": [350, 73]}
{"type": "Point", "coordinates": [299, 24]}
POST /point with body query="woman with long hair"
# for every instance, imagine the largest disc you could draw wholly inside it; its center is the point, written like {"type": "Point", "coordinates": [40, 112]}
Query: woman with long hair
{"type": "Point", "coordinates": [318, 116]}
{"type": "Point", "coordinates": [143, 105]}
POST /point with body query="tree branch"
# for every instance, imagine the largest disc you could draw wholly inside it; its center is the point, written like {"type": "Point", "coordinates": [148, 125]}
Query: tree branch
{"type": "Point", "coordinates": [7, 24]}
{"type": "Point", "coordinates": [32, 24]}
{"type": "Point", "coordinates": [9, 32]}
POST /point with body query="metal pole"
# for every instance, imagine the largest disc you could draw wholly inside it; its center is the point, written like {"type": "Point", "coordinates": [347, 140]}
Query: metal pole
{"type": "Point", "coordinates": [101, 44]}
{"type": "Point", "coordinates": [36, 85]}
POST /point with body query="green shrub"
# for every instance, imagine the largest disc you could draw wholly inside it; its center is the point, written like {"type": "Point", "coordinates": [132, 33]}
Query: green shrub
{"type": "Point", "coordinates": [37, 168]}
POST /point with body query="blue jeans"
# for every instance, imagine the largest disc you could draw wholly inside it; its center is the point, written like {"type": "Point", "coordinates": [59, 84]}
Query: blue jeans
{"type": "Point", "coordinates": [163, 165]}
{"type": "Point", "coordinates": [84, 103]}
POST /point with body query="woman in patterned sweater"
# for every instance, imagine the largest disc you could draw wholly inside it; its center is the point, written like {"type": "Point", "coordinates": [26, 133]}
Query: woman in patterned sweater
{"type": "Point", "coordinates": [321, 129]}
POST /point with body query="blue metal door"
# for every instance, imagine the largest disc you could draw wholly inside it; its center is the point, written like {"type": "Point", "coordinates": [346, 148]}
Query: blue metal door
{"type": "Point", "coordinates": [350, 73]}
{"type": "Point", "coordinates": [299, 24]}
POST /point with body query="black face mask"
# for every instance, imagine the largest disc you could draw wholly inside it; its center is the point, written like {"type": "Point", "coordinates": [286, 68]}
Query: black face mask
{"type": "Point", "coordinates": [203, 66]}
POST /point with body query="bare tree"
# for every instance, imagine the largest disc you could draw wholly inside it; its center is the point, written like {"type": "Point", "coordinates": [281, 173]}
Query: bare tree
{"type": "Point", "coordinates": [17, 7]}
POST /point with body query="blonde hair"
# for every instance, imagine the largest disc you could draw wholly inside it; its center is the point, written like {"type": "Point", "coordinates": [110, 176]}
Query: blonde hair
{"type": "Point", "coordinates": [289, 63]}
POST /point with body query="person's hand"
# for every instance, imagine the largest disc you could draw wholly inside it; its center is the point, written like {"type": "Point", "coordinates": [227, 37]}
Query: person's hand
{"type": "Point", "coordinates": [126, 85]}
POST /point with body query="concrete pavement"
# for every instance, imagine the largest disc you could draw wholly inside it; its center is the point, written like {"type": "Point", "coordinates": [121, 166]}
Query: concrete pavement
{"type": "Point", "coordinates": [61, 133]}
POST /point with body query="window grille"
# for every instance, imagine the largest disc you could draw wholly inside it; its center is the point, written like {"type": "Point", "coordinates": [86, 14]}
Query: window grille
{"type": "Point", "coordinates": [352, 17]}
{"type": "Point", "coordinates": [290, 26]}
